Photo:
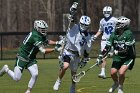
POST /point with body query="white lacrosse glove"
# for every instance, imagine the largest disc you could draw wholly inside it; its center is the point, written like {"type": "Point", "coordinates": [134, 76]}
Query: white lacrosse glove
{"type": "Point", "coordinates": [61, 41]}
{"type": "Point", "coordinates": [93, 37]}
{"type": "Point", "coordinates": [83, 62]}
{"type": "Point", "coordinates": [62, 37]}
{"type": "Point", "coordinates": [58, 47]}
{"type": "Point", "coordinates": [73, 8]}
{"type": "Point", "coordinates": [99, 59]}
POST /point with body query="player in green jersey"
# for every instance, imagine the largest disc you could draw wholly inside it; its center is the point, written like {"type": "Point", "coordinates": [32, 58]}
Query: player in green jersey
{"type": "Point", "coordinates": [34, 42]}
{"type": "Point", "coordinates": [124, 53]}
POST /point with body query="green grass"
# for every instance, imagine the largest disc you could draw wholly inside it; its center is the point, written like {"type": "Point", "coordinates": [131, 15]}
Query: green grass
{"type": "Point", "coordinates": [48, 71]}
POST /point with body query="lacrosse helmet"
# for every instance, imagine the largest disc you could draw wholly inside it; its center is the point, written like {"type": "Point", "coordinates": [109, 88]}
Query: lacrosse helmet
{"type": "Point", "coordinates": [41, 26]}
{"type": "Point", "coordinates": [122, 22]}
{"type": "Point", "coordinates": [107, 11]}
{"type": "Point", "coordinates": [84, 23]}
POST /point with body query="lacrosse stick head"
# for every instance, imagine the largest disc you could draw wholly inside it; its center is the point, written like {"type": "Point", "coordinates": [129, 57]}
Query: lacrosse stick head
{"type": "Point", "coordinates": [76, 78]}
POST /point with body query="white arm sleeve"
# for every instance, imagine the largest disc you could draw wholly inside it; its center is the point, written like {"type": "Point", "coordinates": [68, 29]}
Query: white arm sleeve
{"type": "Point", "coordinates": [41, 48]}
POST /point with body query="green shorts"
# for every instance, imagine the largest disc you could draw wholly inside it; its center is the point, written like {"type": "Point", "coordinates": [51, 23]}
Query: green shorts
{"type": "Point", "coordinates": [129, 62]}
{"type": "Point", "coordinates": [24, 64]}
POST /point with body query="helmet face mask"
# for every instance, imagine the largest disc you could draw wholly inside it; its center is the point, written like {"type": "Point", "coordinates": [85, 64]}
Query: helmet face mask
{"type": "Point", "coordinates": [43, 31]}
{"type": "Point", "coordinates": [84, 23]}
{"type": "Point", "coordinates": [123, 22]}
{"type": "Point", "coordinates": [107, 11]}
{"type": "Point", "coordinates": [41, 26]}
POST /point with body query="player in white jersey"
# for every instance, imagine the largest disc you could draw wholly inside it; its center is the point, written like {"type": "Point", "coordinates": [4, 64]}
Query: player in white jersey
{"type": "Point", "coordinates": [76, 50]}
{"type": "Point", "coordinates": [107, 26]}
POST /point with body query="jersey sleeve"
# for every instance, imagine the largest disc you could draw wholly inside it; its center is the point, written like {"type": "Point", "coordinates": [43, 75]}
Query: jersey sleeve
{"type": "Point", "coordinates": [38, 42]}
{"type": "Point", "coordinates": [130, 39]}
{"type": "Point", "coordinates": [100, 26]}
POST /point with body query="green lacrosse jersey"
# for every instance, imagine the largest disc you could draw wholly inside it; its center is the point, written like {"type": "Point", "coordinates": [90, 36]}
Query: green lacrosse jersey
{"type": "Point", "coordinates": [122, 42]}
{"type": "Point", "coordinates": [30, 46]}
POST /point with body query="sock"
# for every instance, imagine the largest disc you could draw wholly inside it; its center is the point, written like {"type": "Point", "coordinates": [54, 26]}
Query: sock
{"type": "Point", "coordinates": [102, 70]}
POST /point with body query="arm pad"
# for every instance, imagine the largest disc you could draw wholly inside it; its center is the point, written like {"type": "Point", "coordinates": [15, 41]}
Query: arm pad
{"type": "Point", "coordinates": [42, 49]}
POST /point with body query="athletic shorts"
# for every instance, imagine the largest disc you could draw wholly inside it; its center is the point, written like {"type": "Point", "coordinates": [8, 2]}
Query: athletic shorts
{"type": "Point", "coordinates": [24, 64]}
{"type": "Point", "coordinates": [128, 62]}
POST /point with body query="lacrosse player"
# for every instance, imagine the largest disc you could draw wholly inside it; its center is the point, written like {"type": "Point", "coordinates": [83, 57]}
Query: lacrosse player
{"type": "Point", "coordinates": [107, 26]}
{"type": "Point", "coordinates": [123, 43]}
{"type": "Point", "coordinates": [78, 44]}
{"type": "Point", "coordinates": [34, 42]}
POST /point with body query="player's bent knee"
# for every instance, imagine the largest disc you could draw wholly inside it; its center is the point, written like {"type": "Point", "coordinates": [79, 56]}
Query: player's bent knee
{"type": "Point", "coordinates": [65, 68]}
{"type": "Point", "coordinates": [121, 73]}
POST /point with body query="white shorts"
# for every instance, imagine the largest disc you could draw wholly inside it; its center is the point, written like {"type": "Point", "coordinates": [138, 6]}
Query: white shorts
{"type": "Point", "coordinates": [103, 44]}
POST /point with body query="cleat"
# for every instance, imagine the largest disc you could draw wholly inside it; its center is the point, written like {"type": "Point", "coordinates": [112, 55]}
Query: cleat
{"type": "Point", "coordinates": [27, 91]}
{"type": "Point", "coordinates": [102, 76]}
{"type": "Point", "coordinates": [114, 86]}
{"type": "Point", "coordinates": [120, 90]}
{"type": "Point", "coordinates": [56, 85]}
{"type": "Point", "coordinates": [3, 70]}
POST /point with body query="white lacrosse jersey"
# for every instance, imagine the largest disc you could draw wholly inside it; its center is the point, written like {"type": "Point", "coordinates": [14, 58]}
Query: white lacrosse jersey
{"type": "Point", "coordinates": [77, 41]}
{"type": "Point", "coordinates": [107, 27]}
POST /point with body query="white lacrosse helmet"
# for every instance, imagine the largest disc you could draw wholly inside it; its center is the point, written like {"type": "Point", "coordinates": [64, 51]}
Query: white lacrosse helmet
{"type": "Point", "coordinates": [41, 26]}
{"type": "Point", "coordinates": [122, 22]}
{"type": "Point", "coordinates": [107, 11]}
{"type": "Point", "coordinates": [84, 22]}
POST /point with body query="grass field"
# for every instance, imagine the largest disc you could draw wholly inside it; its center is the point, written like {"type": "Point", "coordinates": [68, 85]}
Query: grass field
{"type": "Point", "coordinates": [48, 71]}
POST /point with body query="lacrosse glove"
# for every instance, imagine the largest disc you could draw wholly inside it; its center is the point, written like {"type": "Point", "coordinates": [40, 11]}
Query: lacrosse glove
{"type": "Point", "coordinates": [99, 59]}
{"type": "Point", "coordinates": [73, 8]}
{"type": "Point", "coordinates": [58, 47]}
{"type": "Point", "coordinates": [83, 62]}
{"type": "Point", "coordinates": [61, 42]}
{"type": "Point", "coordinates": [93, 37]}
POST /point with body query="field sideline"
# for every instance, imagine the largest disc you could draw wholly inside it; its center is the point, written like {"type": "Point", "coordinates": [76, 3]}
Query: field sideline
{"type": "Point", "coordinates": [48, 71]}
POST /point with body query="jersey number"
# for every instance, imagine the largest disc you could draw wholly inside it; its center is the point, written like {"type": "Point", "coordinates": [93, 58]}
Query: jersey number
{"type": "Point", "coordinates": [108, 30]}
{"type": "Point", "coordinates": [27, 38]}
{"type": "Point", "coordinates": [82, 42]}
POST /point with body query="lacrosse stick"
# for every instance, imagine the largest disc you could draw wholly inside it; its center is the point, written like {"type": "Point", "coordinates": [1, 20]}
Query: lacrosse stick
{"type": "Point", "coordinates": [76, 78]}
{"type": "Point", "coordinates": [72, 13]}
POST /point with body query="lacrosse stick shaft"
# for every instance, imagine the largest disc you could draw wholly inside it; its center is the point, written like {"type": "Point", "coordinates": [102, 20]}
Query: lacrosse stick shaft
{"type": "Point", "coordinates": [90, 67]}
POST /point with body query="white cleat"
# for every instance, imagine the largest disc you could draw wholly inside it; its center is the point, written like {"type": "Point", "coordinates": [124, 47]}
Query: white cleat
{"type": "Point", "coordinates": [120, 90]}
{"type": "Point", "coordinates": [102, 76]}
{"type": "Point", "coordinates": [27, 91]}
{"type": "Point", "coordinates": [114, 86]}
{"type": "Point", "coordinates": [56, 85]}
{"type": "Point", "coordinates": [3, 70]}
